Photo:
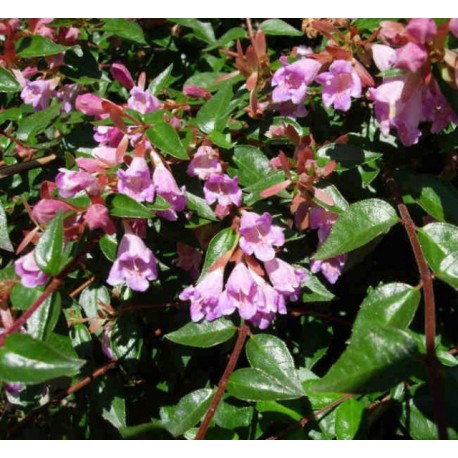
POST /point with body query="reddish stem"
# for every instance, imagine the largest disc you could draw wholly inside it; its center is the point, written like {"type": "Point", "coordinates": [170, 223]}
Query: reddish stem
{"type": "Point", "coordinates": [243, 332]}
{"type": "Point", "coordinates": [432, 362]}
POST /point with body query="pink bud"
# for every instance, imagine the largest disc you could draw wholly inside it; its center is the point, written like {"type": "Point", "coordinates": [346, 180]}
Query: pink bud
{"type": "Point", "coordinates": [422, 29]}
{"type": "Point", "coordinates": [46, 209]}
{"type": "Point", "coordinates": [411, 57]}
{"type": "Point", "coordinates": [89, 104]}
{"type": "Point", "coordinates": [97, 217]}
{"type": "Point", "coordinates": [196, 92]}
{"type": "Point", "coordinates": [121, 74]}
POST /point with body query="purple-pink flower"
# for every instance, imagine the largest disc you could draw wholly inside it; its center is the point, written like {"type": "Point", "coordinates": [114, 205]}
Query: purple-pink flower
{"type": "Point", "coordinates": [135, 264]}
{"type": "Point", "coordinates": [290, 85]}
{"type": "Point", "coordinates": [136, 181]}
{"type": "Point", "coordinates": [340, 84]}
{"type": "Point", "coordinates": [67, 95]}
{"type": "Point", "coordinates": [285, 278]}
{"type": "Point", "coordinates": [97, 217]}
{"type": "Point", "coordinates": [224, 190]}
{"type": "Point", "coordinates": [258, 236]}
{"type": "Point", "coordinates": [71, 182]}
{"type": "Point", "coordinates": [46, 209]}
{"type": "Point", "coordinates": [108, 135]}
{"type": "Point", "coordinates": [411, 57]}
{"type": "Point", "coordinates": [89, 104]}
{"type": "Point", "coordinates": [204, 163]}
{"type": "Point", "coordinates": [422, 29]}
{"type": "Point", "coordinates": [436, 108]}
{"type": "Point", "coordinates": [38, 93]}
{"type": "Point", "coordinates": [31, 275]}
{"type": "Point", "coordinates": [142, 101]}
{"type": "Point", "coordinates": [122, 74]}
{"type": "Point", "coordinates": [205, 295]}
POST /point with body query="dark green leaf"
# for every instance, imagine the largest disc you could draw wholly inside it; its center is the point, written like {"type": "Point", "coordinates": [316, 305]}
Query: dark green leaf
{"type": "Point", "coordinates": [36, 123]}
{"type": "Point", "coordinates": [200, 206]}
{"type": "Point", "coordinates": [230, 36]}
{"type": "Point", "coordinates": [38, 46]}
{"type": "Point", "coordinates": [215, 112]}
{"type": "Point", "coordinates": [109, 245]}
{"type": "Point", "coordinates": [5, 242]}
{"type": "Point", "coordinates": [41, 324]}
{"type": "Point", "coordinates": [108, 400]}
{"type": "Point", "coordinates": [202, 30]}
{"type": "Point", "coordinates": [348, 419]}
{"type": "Point", "coordinates": [220, 244]}
{"type": "Point", "coordinates": [165, 137]}
{"type": "Point", "coordinates": [159, 204]}
{"type": "Point", "coordinates": [26, 360]}
{"type": "Point", "coordinates": [8, 82]}
{"type": "Point", "coordinates": [361, 223]}
{"type": "Point", "coordinates": [161, 81]}
{"type": "Point", "coordinates": [127, 340]}
{"type": "Point", "coordinates": [279, 27]}
{"type": "Point", "coordinates": [231, 417]}
{"type": "Point", "coordinates": [93, 298]}
{"type": "Point", "coordinates": [253, 165]}
{"type": "Point", "coordinates": [203, 335]}
{"type": "Point", "coordinates": [129, 30]}
{"type": "Point", "coordinates": [124, 206]}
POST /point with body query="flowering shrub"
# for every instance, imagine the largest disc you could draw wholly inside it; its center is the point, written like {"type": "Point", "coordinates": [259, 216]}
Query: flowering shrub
{"type": "Point", "coordinates": [228, 229]}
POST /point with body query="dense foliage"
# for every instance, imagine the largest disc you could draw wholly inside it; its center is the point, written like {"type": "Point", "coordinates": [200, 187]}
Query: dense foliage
{"type": "Point", "coordinates": [228, 229]}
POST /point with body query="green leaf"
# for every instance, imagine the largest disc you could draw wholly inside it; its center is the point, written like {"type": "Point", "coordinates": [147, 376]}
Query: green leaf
{"type": "Point", "coordinates": [392, 305]}
{"type": "Point", "coordinates": [203, 335]}
{"type": "Point", "coordinates": [318, 292]}
{"type": "Point", "coordinates": [36, 123]}
{"type": "Point", "coordinates": [41, 324]}
{"type": "Point", "coordinates": [375, 360]}
{"type": "Point", "coordinates": [270, 354]}
{"type": "Point", "coordinates": [200, 206]}
{"type": "Point", "coordinates": [279, 27]}
{"type": "Point", "coordinates": [8, 83]}
{"type": "Point", "coordinates": [127, 340]}
{"type": "Point", "coordinates": [108, 400]}
{"type": "Point", "coordinates": [48, 253]}
{"type": "Point", "coordinates": [159, 204]}
{"type": "Point", "coordinates": [161, 81]}
{"type": "Point", "coordinates": [215, 112]}
{"type": "Point", "coordinates": [348, 419]}
{"type": "Point", "coordinates": [227, 38]}
{"type": "Point", "coordinates": [440, 246]}
{"type": "Point", "coordinates": [109, 245]}
{"type": "Point", "coordinates": [231, 417]}
{"type": "Point", "coordinates": [124, 206]}
{"type": "Point", "coordinates": [220, 244]}
{"type": "Point", "coordinates": [205, 80]}
{"type": "Point", "coordinates": [5, 242]}
{"type": "Point", "coordinates": [166, 138]}
{"type": "Point", "coordinates": [27, 360]}
{"type": "Point", "coordinates": [129, 30]}
{"type": "Point", "coordinates": [202, 30]}
{"type": "Point", "coordinates": [38, 46]}
{"type": "Point", "coordinates": [361, 223]}
{"type": "Point", "coordinates": [437, 197]}
{"type": "Point", "coordinates": [187, 413]}
{"type": "Point", "coordinates": [253, 165]}
{"type": "Point", "coordinates": [92, 298]}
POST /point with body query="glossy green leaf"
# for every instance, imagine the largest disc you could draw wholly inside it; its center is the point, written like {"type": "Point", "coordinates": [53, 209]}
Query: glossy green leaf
{"type": "Point", "coordinates": [109, 245]}
{"type": "Point", "coordinates": [215, 112]}
{"type": "Point", "coordinates": [159, 204]}
{"type": "Point", "coordinates": [8, 83]}
{"type": "Point", "coordinates": [228, 37]}
{"type": "Point", "coordinates": [440, 246]}
{"type": "Point", "coordinates": [38, 46]}
{"type": "Point", "coordinates": [279, 27]}
{"type": "Point", "coordinates": [128, 30]}
{"type": "Point", "coordinates": [346, 156]}
{"type": "Point", "coordinates": [348, 419]}
{"type": "Point", "coordinates": [187, 413]}
{"type": "Point", "coordinates": [202, 30]}
{"type": "Point", "coordinates": [198, 205]}
{"type": "Point", "coordinates": [203, 335]}
{"type": "Point", "coordinates": [161, 81]}
{"type": "Point", "coordinates": [252, 165]}
{"type": "Point", "coordinates": [36, 123]}
{"type": "Point", "coordinates": [315, 291]}
{"type": "Point", "coordinates": [5, 242]}
{"type": "Point", "coordinates": [92, 299]}
{"type": "Point", "coordinates": [230, 417]}
{"type": "Point", "coordinates": [375, 360]}
{"type": "Point", "coordinates": [166, 138]}
{"type": "Point", "coordinates": [361, 223]}
{"type": "Point", "coordinates": [108, 400]}
{"type": "Point", "coordinates": [49, 252]}
{"type": "Point", "coordinates": [124, 206]}
{"type": "Point", "coordinates": [127, 340]}
{"type": "Point", "coordinates": [27, 360]}
{"type": "Point", "coordinates": [41, 324]}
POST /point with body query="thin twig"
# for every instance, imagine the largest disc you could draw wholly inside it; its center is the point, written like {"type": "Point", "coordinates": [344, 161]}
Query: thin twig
{"type": "Point", "coordinates": [80, 288]}
{"type": "Point", "coordinates": [243, 332]}
{"type": "Point", "coordinates": [314, 416]}
{"type": "Point", "coordinates": [9, 170]}
{"type": "Point", "coordinates": [62, 395]}
{"type": "Point", "coordinates": [432, 362]}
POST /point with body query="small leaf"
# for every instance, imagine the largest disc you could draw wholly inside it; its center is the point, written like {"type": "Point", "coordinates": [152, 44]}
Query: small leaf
{"type": "Point", "coordinates": [36, 123]}
{"type": "Point", "coordinates": [5, 242]}
{"type": "Point", "coordinates": [161, 81]}
{"type": "Point", "coordinates": [202, 30]}
{"type": "Point", "coordinates": [159, 204]}
{"type": "Point", "coordinates": [219, 245]}
{"type": "Point", "coordinates": [361, 223]}
{"type": "Point", "coordinates": [279, 27]}
{"type": "Point", "coordinates": [127, 341]}
{"type": "Point", "coordinates": [124, 206]}
{"type": "Point", "coordinates": [8, 83]}
{"type": "Point", "coordinates": [27, 360]}
{"type": "Point", "coordinates": [215, 112]}
{"type": "Point", "coordinates": [187, 413]}
{"type": "Point", "coordinates": [38, 46]}
{"type": "Point", "coordinates": [348, 419]}
{"type": "Point", "coordinates": [198, 205]}
{"type": "Point", "coordinates": [165, 137]}
{"type": "Point", "coordinates": [48, 253]}
{"type": "Point", "coordinates": [92, 298]}
{"type": "Point", "coordinates": [203, 335]}
{"type": "Point", "coordinates": [129, 30]}
{"type": "Point", "coordinates": [41, 324]}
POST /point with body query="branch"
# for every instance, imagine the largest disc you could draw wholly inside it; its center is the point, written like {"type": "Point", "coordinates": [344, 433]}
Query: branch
{"type": "Point", "coordinates": [303, 421]}
{"type": "Point", "coordinates": [432, 362]}
{"type": "Point", "coordinates": [62, 395]}
{"type": "Point", "coordinates": [243, 332]}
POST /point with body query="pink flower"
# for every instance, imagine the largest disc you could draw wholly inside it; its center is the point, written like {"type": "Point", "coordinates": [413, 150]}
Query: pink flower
{"type": "Point", "coordinates": [142, 101]}
{"type": "Point", "coordinates": [258, 236]}
{"type": "Point", "coordinates": [290, 84]}
{"type": "Point", "coordinates": [285, 278]}
{"type": "Point", "coordinates": [106, 155]}
{"type": "Point", "coordinates": [205, 295]}
{"type": "Point", "coordinates": [436, 108]}
{"type": "Point", "coordinates": [97, 217]}
{"type": "Point", "coordinates": [453, 25]}
{"type": "Point", "coordinates": [135, 264]}
{"type": "Point", "coordinates": [89, 104]}
{"type": "Point", "coordinates": [30, 274]}
{"type": "Point", "coordinates": [121, 74]}
{"type": "Point", "coordinates": [224, 190]}
{"type": "Point", "coordinates": [136, 181]}
{"type": "Point", "coordinates": [45, 210]}
{"type": "Point", "coordinates": [167, 187]}
{"type": "Point", "coordinates": [422, 29]}
{"type": "Point", "coordinates": [339, 85]}
{"type": "Point", "coordinates": [331, 268]}
{"type": "Point", "coordinates": [196, 92]}
{"type": "Point", "coordinates": [38, 93]}
{"type": "Point", "coordinates": [67, 95]}
{"type": "Point", "coordinates": [72, 182]}
{"type": "Point", "coordinates": [204, 163]}
{"type": "Point", "coordinates": [411, 57]}
{"type": "Point", "coordinates": [384, 57]}
{"type": "Point", "coordinates": [108, 135]}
